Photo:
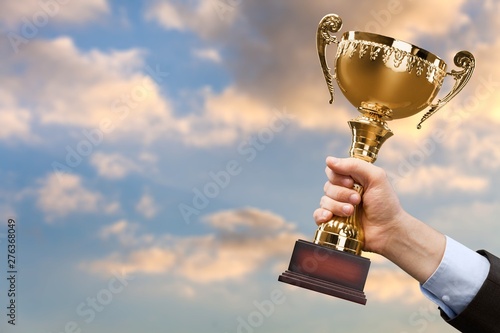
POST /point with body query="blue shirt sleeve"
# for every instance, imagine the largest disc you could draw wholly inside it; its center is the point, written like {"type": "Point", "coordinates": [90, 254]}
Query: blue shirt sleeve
{"type": "Point", "coordinates": [457, 279]}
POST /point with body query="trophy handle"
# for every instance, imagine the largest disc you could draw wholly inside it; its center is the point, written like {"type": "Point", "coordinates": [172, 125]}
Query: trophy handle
{"type": "Point", "coordinates": [329, 24]}
{"type": "Point", "coordinates": [465, 60]}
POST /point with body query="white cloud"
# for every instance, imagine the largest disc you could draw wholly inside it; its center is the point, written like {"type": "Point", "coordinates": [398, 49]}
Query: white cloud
{"type": "Point", "coordinates": [402, 23]}
{"type": "Point", "coordinates": [232, 115]}
{"type": "Point", "coordinates": [476, 143]}
{"type": "Point", "coordinates": [15, 120]}
{"type": "Point", "coordinates": [117, 98]}
{"type": "Point", "coordinates": [40, 13]}
{"type": "Point", "coordinates": [167, 14]}
{"type": "Point", "coordinates": [251, 218]}
{"type": "Point", "coordinates": [114, 229]}
{"type": "Point", "coordinates": [229, 253]}
{"type": "Point", "coordinates": [16, 123]}
{"type": "Point", "coordinates": [112, 95]}
{"type": "Point", "coordinates": [428, 179]}
{"type": "Point", "coordinates": [147, 206]}
{"type": "Point", "coordinates": [150, 260]}
{"type": "Point", "coordinates": [208, 54]}
{"type": "Point", "coordinates": [392, 285]}
{"type": "Point", "coordinates": [113, 166]}
{"type": "Point", "coordinates": [469, 222]}
{"type": "Point", "coordinates": [62, 194]}
{"type": "Point", "coordinates": [126, 233]}
{"type": "Point", "coordinates": [206, 18]}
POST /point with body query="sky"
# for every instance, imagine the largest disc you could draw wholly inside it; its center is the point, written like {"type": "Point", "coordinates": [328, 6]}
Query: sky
{"type": "Point", "coordinates": [160, 159]}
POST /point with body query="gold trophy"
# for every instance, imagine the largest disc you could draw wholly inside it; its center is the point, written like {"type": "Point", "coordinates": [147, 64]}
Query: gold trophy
{"type": "Point", "coordinates": [385, 79]}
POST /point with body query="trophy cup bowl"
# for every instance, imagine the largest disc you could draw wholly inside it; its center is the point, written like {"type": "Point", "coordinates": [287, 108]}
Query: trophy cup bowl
{"type": "Point", "coordinates": [384, 79]}
{"type": "Point", "coordinates": [393, 78]}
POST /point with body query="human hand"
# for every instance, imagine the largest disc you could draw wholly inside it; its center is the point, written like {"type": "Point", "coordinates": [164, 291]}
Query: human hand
{"type": "Point", "coordinates": [388, 229]}
{"type": "Point", "coordinates": [382, 211]}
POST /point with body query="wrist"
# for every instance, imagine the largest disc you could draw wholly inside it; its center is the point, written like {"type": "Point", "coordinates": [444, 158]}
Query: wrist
{"type": "Point", "coordinates": [415, 247]}
{"type": "Point", "coordinates": [384, 238]}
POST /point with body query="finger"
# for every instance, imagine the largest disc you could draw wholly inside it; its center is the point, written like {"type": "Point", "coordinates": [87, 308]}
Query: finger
{"type": "Point", "coordinates": [339, 179]}
{"type": "Point", "coordinates": [322, 215]}
{"type": "Point", "coordinates": [361, 171]}
{"type": "Point", "coordinates": [341, 194]}
{"type": "Point", "coordinates": [335, 207]}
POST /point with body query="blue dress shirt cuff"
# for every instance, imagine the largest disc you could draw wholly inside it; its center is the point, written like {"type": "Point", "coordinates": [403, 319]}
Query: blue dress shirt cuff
{"type": "Point", "coordinates": [457, 279]}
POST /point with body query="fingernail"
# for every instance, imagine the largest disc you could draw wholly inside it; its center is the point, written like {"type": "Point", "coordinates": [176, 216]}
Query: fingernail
{"type": "Point", "coordinates": [346, 209]}
{"type": "Point", "coordinates": [324, 214]}
{"type": "Point", "coordinates": [354, 198]}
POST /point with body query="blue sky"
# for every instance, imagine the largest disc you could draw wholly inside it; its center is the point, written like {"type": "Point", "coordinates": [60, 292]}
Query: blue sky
{"type": "Point", "coordinates": [117, 115]}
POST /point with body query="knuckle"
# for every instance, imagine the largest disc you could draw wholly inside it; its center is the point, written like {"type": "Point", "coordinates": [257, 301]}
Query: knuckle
{"type": "Point", "coordinates": [325, 202]}
{"type": "Point", "coordinates": [326, 186]}
{"type": "Point", "coordinates": [380, 174]}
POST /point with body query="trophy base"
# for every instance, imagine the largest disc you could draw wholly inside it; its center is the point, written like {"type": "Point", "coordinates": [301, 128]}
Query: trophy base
{"type": "Point", "coordinates": [328, 271]}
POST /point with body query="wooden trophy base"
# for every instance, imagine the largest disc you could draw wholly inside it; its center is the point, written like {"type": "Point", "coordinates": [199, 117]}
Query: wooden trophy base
{"type": "Point", "coordinates": [327, 271]}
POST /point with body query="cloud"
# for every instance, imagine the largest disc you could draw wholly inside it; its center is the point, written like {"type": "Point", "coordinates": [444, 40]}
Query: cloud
{"type": "Point", "coordinates": [208, 54]}
{"type": "Point", "coordinates": [476, 143]}
{"type": "Point", "coordinates": [206, 18]}
{"type": "Point", "coordinates": [231, 116]}
{"type": "Point", "coordinates": [16, 120]}
{"type": "Point", "coordinates": [62, 194]}
{"type": "Point", "coordinates": [115, 94]}
{"type": "Point", "coordinates": [428, 179]}
{"type": "Point", "coordinates": [399, 21]}
{"type": "Point", "coordinates": [240, 243]}
{"type": "Point", "coordinates": [147, 206]}
{"type": "Point", "coordinates": [38, 13]}
{"type": "Point", "coordinates": [150, 260]}
{"type": "Point", "coordinates": [115, 229]}
{"type": "Point", "coordinates": [113, 166]}
{"type": "Point", "coordinates": [469, 221]}
{"type": "Point", "coordinates": [387, 283]}
{"type": "Point", "coordinates": [390, 285]}
{"type": "Point", "coordinates": [117, 98]}
{"type": "Point", "coordinates": [126, 234]}
{"type": "Point", "coordinates": [166, 14]}
{"type": "Point", "coordinates": [252, 219]}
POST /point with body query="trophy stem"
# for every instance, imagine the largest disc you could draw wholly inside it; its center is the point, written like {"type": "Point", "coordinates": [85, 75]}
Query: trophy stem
{"type": "Point", "coordinates": [368, 134]}
{"type": "Point", "coordinates": [332, 264]}
{"type": "Point", "coordinates": [345, 234]}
